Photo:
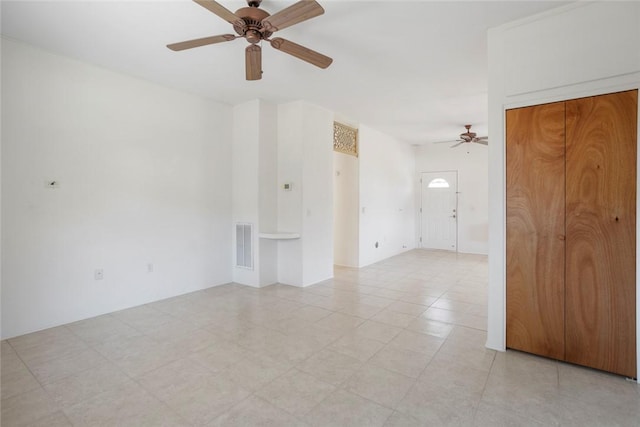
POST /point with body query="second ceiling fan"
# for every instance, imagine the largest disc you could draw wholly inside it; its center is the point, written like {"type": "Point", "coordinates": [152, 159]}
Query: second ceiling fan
{"type": "Point", "coordinates": [254, 25]}
{"type": "Point", "coordinates": [469, 136]}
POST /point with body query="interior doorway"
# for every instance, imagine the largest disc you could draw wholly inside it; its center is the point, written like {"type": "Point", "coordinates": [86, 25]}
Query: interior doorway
{"type": "Point", "coordinates": [439, 210]}
{"type": "Point", "coordinates": [346, 207]}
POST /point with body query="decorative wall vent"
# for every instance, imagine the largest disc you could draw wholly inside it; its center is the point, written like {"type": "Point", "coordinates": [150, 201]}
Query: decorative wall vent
{"type": "Point", "coordinates": [345, 139]}
{"type": "Point", "coordinates": [244, 252]}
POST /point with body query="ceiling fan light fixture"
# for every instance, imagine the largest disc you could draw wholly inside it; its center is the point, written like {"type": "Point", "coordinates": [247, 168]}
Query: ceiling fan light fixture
{"type": "Point", "coordinates": [253, 59]}
{"type": "Point", "coordinates": [253, 36]}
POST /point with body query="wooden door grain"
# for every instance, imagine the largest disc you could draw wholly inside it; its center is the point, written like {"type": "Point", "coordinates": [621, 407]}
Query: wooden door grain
{"type": "Point", "coordinates": [601, 232]}
{"type": "Point", "coordinates": [535, 165]}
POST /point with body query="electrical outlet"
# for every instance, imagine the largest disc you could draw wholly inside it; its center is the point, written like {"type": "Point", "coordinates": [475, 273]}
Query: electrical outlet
{"type": "Point", "coordinates": [98, 274]}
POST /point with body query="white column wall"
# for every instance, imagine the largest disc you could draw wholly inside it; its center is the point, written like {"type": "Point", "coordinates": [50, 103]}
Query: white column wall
{"type": "Point", "coordinates": [305, 135]}
{"type": "Point", "coordinates": [254, 182]}
{"type": "Point", "coordinates": [245, 184]}
{"type": "Point", "coordinates": [268, 192]}
{"type": "Point", "coordinates": [290, 147]}
{"type": "Point", "coordinates": [317, 194]}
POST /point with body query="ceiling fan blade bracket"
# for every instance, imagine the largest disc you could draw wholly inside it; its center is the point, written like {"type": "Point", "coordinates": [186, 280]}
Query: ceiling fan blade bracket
{"type": "Point", "coordinates": [267, 27]}
{"type": "Point", "coordinates": [276, 43]}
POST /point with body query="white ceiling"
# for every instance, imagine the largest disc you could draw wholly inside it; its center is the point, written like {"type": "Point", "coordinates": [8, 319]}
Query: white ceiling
{"type": "Point", "coordinates": [416, 70]}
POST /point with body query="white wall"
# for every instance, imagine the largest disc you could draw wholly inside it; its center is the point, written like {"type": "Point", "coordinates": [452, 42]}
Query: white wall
{"type": "Point", "coordinates": [244, 183]}
{"type": "Point", "coordinates": [305, 135]}
{"type": "Point", "coordinates": [317, 194]}
{"type": "Point", "coordinates": [268, 191]}
{"type": "Point", "coordinates": [345, 209]}
{"type": "Point", "coordinates": [583, 49]}
{"type": "Point", "coordinates": [387, 196]}
{"type": "Point", "coordinates": [471, 162]}
{"type": "Point", "coordinates": [254, 184]}
{"type": "Point", "coordinates": [290, 151]}
{"type": "Point", "coordinates": [144, 178]}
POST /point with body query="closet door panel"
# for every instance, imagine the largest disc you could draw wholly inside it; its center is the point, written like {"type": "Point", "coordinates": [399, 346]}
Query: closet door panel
{"type": "Point", "coordinates": [535, 162]}
{"type": "Point", "coordinates": [601, 232]}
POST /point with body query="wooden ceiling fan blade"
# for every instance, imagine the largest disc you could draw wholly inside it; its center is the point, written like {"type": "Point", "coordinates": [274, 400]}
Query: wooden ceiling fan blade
{"type": "Point", "coordinates": [294, 14]}
{"type": "Point", "coordinates": [253, 62]}
{"type": "Point", "coordinates": [455, 145]}
{"type": "Point", "coordinates": [222, 12]}
{"type": "Point", "coordinates": [301, 52]}
{"type": "Point", "coordinates": [201, 42]}
{"type": "Point", "coordinates": [483, 142]}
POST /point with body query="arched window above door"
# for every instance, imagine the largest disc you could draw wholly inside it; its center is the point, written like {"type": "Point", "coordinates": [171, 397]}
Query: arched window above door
{"type": "Point", "coordinates": [438, 183]}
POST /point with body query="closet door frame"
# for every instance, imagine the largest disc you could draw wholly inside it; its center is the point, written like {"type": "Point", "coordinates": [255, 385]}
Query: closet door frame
{"type": "Point", "coordinates": [496, 338]}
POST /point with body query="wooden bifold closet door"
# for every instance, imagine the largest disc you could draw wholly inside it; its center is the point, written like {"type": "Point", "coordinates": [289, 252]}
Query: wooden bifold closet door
{"type": "Point", "coordinates": [600, 289]}
{"type": "Point", "coordinates": [535, 229]}
{"type": "Point", "coordinates": [571, 215]}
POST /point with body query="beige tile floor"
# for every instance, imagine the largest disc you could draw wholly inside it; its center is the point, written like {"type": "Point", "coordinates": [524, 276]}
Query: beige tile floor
{"type": "Point", "coordinates": [399, 343]}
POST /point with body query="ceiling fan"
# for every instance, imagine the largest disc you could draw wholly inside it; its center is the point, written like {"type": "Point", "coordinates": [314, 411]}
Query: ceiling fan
{"type": "Point", "coordinates": [255, 25]}
{"type": "Point", "coordinates": [467, 137]}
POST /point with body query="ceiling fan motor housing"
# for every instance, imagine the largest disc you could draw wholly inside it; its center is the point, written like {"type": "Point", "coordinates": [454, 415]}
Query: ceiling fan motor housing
{"type": "Point", "coordinates": [468, 136]}
{"type": "Point", "coordinates": [253, 31]}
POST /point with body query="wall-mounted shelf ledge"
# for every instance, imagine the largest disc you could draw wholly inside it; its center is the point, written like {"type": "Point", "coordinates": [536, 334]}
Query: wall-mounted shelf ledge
{"type": "Point", "coordinates": [279, 236]}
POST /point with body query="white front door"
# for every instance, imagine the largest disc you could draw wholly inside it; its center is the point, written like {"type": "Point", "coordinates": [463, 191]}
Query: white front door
{"type": "Point", "coordinates": [439, 210]}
